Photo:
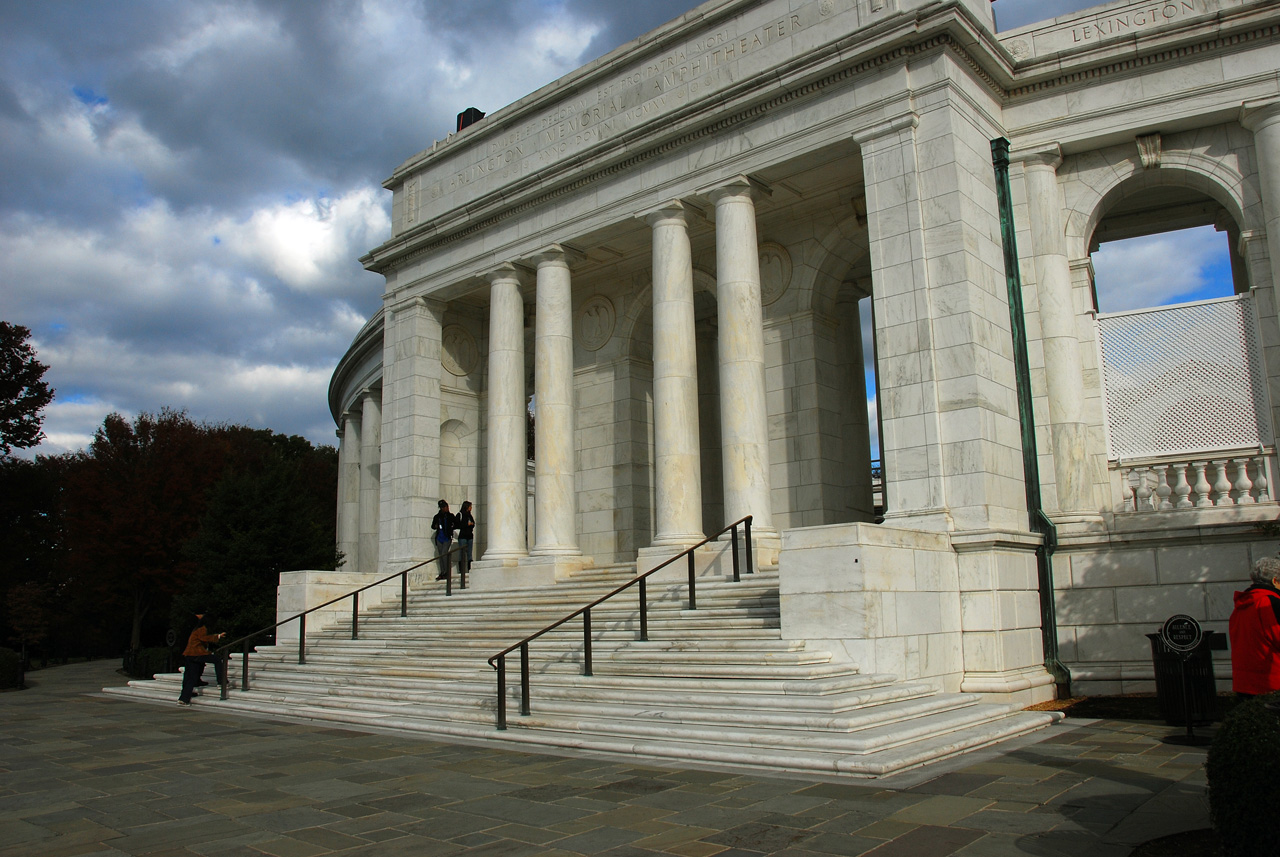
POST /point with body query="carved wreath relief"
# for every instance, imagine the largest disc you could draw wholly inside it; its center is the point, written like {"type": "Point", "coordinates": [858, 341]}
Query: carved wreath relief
{"type": "Point", "coordinates": [775, 271]}
{"type": "Point", "coordinates": [595, 322]}
{"type": "Point", "coordinates": [459, 352]}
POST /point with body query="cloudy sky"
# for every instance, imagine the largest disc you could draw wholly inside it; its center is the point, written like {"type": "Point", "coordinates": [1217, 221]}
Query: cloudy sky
{"type": "Point", "coordinates": [185, 187]}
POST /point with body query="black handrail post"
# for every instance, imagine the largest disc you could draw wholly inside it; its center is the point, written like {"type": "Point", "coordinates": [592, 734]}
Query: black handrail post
{"type": "Point", "coordinates": [735, 553]}
{"type": "Point", "coordinates": [448, 576]}
{"type": "Point", "coordinates": [244, 667]}
{"type": "Point", "coordinates": [644, 612]}
{"type": "Point", "coordinates": [524, 679]}
{"type": "Point", "coordinates": [462, 568]}
{"type": "Point", "coordinates": [693, 592]}
{"type": "Point", "coordinates": [750, 553]}
{"type": "Point", "coordinates": [226, 658]}
{"type": "Point", "coordinates": [302, 638]}
{"type": "Point", "coordinates": [404, 595]}
{"type": "Point", "coordinates": [502, 691]}
{"type": "Point", "coordinates": [586, 641]}
{"type": "Point", "coordinates": [355, 615]}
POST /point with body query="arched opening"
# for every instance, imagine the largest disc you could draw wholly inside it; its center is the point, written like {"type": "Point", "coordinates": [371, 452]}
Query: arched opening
{"type": "Point", "coordinates": [1183, 382]}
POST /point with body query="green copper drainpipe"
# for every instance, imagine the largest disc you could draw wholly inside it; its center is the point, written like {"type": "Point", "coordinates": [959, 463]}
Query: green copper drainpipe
{"type": "Point", "coordinates": [1040, 522]}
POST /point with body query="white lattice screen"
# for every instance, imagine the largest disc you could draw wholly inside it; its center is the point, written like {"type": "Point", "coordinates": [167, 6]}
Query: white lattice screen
{"type": "Point", "coordinates": [1184, 378]}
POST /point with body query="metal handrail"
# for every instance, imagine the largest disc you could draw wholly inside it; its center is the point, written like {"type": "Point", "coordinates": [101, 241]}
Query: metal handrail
{"type": "Point", "coordinates": [499, 661]}
{"type": "Point", "coordinates": [224, 651]}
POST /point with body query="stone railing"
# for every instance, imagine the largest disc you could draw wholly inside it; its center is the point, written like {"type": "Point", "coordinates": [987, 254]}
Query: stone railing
{"type": "Point", "coordinates": [1228, 478]}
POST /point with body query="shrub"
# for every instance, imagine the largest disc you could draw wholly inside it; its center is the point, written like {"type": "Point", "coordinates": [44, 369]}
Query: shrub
{"type": "Point", "coordinates": [10, 668]}
{"type": "Point", "coordinates": [1244, 778]}
{"type": "Point", "coordinates": [145, 663]}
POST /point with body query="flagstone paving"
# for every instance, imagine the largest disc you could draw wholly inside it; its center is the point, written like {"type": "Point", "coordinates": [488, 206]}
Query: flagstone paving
{"type": "Point", "coordinates": [83, 774]}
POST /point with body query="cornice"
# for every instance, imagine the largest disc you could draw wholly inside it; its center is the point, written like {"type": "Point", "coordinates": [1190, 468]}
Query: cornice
{"type": "Point", "coordinates": [369, 339]}
{"type": "Point", "coordinates": [396, 252]}
{"type": "Point", "coordinates": [1151, 58]}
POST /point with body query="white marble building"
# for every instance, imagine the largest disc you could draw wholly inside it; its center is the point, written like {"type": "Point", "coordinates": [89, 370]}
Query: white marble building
{"type": "Point", "coordinates": [668, 249]}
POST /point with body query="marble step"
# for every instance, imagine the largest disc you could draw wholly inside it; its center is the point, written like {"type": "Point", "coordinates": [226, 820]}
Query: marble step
{"type": "Point", "coordinates": [671, 745]}
{"type": "Point", "coordinates": [846, 712]}
{"type": "Point", "coordinates": [875, 709]}
{"type": "Point", "coordinates": [706, 669]}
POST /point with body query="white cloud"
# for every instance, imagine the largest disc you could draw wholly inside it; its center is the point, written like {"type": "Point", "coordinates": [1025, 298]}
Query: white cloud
{"type": "Point", "coordinates": [1156, 269]}
{"type": "Point", "coordinates": [309, 244]}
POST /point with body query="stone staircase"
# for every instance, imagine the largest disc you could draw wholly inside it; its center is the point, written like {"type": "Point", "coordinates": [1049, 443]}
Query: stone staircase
{"type": "Point", "coordinates": [716, 686]}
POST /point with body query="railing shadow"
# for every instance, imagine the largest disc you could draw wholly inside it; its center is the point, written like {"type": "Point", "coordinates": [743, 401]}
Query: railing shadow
{"type": "Point", "coordinates": [499, 661]}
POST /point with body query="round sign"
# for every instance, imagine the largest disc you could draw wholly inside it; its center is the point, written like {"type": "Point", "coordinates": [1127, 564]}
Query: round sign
{"type": "Point", "coordinates": [1181, 633]}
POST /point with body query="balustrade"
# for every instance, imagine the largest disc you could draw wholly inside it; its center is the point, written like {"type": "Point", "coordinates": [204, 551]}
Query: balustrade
{"type": "Point", "coordinates": [1228, 479]}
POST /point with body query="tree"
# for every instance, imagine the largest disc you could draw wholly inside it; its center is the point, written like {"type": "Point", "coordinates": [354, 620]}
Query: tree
{"type": "Point", "coordinates": [272, 511]}
{"type": "Point", "coordinates": [132, 502]}
{"type": "Point", "coordinates": [23, 395]}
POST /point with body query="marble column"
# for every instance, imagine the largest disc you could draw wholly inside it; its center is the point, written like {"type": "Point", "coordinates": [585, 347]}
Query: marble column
{"type": "Point", "coordinates": [555, 500]}
{"type": "Point", "coordinates": [410, 431]}
{"type": "Point", "coordinates": [370, 478]}
{"type": "Point", "coordinates": [349, 491]}
{"type": "Point", "coordinates": [505, 516]}
{"type": "Point", "coordinates": [1263, 119]}
{"type": "Point", "coordinates": [855, 428]}
{"type": "Point", "coordinates": [744, 418]}
{"type": "Point", "coordinates": [675, 382]}
{"type": "Point", "coordinates": [1064, 378]}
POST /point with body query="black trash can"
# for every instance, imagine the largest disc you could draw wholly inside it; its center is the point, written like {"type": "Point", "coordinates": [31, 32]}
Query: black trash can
{"type": "Point", "coordinates": [1200, 684]}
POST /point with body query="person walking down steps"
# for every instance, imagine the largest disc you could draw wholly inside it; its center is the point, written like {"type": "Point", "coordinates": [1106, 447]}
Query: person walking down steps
{"type": "Point", "coordinates": [466, 535]}
{"type": "Point", "coordinates": [443, 525]}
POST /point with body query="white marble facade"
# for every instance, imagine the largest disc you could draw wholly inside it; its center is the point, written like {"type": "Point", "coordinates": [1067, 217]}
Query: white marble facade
{"type": "Point", "coordinates": [669, 250]}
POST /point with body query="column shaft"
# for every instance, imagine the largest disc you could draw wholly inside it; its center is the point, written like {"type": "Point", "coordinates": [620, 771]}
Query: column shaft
{"type": "Point", "coordinates": [1264, 121]}
{"type": "Point", "coordinates": [506, 512]}
{"type": "Point", "coordinates": [370, 479]}
{"type": "Point", "coordinates": [555, 500]}
{"type": "Point", "coordinates": [410, 431]}
{"type": "Point", "coordinates": [349, 492]}
{"type": "Point", "coordinates": [675, 382]}
{"type": "Point", "coordinates": [744, 420]}
{"type": "Point", "coordinates": [1064, 378]}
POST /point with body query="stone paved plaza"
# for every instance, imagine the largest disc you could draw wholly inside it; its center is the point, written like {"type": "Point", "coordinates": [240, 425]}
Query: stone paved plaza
{"type": "Point", "coordinates": [83, 774]}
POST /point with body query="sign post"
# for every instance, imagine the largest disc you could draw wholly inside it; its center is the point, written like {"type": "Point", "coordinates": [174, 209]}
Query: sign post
{"type": "Point", "coordinates": [1183, 635]}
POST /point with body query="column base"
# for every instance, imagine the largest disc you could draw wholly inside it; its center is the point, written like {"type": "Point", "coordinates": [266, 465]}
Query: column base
{"type": "Point", "coordinates": [525, 572]}
{"type": "Point", "coordinates": [712, 559]}
{"type": "Point", "coordinates": [1026, 686]}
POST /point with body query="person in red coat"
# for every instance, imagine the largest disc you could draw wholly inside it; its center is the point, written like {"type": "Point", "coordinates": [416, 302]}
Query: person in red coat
{"type": "Point", "coordinates": [1255, 632]}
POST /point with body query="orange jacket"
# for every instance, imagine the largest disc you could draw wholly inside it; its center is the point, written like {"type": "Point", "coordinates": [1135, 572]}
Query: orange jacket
{"type": "Point", "coordinates": [196, 642]}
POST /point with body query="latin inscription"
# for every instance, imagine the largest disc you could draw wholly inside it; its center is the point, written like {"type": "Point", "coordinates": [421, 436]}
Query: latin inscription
{"type": "Point", "coordinates": [661, 84]}
{"type": "Point", "coordinates": [1128, 22]}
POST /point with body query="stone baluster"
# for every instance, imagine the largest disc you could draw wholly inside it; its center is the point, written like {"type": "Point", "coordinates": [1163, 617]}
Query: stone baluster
{"type": "Point", "coordinates": [1182, 488]}
{"type": "Point", "coordinates": [1202, 487]}
{"type": "Point", "coordinates": [1244, 485]}
{"type": "Point", "coordinates": [1260, 482]}
{"type": "Point", "coordinates": [1163, 490]}
{"type": "Point", "coordinates": [1143, 501]}
{"type": "Point", "coordinates": [1221, 485]}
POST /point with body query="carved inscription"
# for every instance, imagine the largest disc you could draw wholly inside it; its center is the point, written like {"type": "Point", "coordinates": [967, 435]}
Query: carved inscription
{"type": "Point", "coordinates": [1124, 23]}
{"type": "Point", "coordinates": [661, 84]}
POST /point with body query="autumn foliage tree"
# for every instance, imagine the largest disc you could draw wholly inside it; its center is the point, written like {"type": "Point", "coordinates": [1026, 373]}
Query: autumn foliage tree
{"type": "Point", "coordinates": [132, 502]}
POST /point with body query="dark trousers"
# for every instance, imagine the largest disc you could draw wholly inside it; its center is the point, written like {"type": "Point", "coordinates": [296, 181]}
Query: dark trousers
{"type": "Point", "coordinates": [193, 668]}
